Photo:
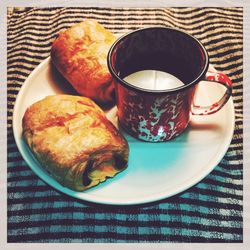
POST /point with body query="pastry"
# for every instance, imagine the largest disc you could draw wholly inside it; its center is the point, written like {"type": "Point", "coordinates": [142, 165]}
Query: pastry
{"type": "Point", "coordinates": [80, 55]}
{"type": "Point", "coordinates": [74, 141]}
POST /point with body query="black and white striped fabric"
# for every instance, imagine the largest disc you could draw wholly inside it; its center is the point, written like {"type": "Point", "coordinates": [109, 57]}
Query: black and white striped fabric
{"type": "Point", "coordinates": [211, 211]}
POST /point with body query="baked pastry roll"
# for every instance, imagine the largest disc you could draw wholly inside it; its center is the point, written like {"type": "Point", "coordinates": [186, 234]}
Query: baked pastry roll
{"type": "Point", "coordinates": [80, 55]}
{"type": "Point", "coordinates": [74, 141]}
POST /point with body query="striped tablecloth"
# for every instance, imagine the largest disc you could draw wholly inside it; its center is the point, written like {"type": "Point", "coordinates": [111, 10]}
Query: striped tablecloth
{"type": "Point", "coordinates": [211, 211]}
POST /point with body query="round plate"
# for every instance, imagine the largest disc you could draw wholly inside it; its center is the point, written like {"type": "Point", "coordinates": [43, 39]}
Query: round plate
{"type": "Point", "coordinates": [155, 170]}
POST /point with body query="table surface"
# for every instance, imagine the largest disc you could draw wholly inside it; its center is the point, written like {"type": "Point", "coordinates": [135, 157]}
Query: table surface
{"type": "Point", "coordinates": [211, 211]}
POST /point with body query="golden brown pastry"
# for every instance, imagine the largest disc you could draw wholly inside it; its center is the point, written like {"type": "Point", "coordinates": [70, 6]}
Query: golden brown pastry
{"type": "Point", "coordinates": [74, 141]}
{"type": "Point", "coordinates": [80, 54]}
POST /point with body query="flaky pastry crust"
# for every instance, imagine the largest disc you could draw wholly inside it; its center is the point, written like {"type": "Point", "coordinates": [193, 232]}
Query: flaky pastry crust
{"type": "Point", "coordinates": [80, 55]}
{"type": "Point", "coordinates": [74, 141]}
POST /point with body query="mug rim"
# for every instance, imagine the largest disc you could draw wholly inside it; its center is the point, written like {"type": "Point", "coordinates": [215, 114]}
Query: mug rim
{"type": "Point", "coordinates": [144, 90]}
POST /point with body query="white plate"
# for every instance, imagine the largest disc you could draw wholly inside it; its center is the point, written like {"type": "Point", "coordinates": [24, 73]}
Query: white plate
{"type": "Point", "coordinates": [155, 170]}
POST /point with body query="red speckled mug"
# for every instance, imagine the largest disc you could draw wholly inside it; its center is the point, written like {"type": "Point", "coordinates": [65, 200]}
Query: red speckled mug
{"type": "Point", "coordinates": [160, 115]}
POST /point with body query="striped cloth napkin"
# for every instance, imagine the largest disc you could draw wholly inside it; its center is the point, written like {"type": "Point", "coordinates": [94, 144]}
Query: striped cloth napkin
{"type": "Point", "coordinates": [211, 211]}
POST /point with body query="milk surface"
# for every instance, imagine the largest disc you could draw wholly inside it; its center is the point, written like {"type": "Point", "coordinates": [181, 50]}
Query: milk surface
{"type": "Point", "coordinates": [153, 80]}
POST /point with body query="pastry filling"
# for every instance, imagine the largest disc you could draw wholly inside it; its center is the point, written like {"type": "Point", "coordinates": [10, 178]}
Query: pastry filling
{"type": "Point", "coordinates": [119, 162]}
{"type": "Point", "coordinates": [105, 165]}
{"type": "Point", "coordinates": [85, 178]}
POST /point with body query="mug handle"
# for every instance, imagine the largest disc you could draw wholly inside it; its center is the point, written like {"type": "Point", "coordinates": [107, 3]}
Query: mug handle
{"type": "Point", "coordinates": [215, 77]}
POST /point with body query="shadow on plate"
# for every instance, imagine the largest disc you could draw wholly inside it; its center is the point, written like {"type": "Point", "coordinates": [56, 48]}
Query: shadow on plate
{"type": "Point", "coordinates": [59, 84]}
